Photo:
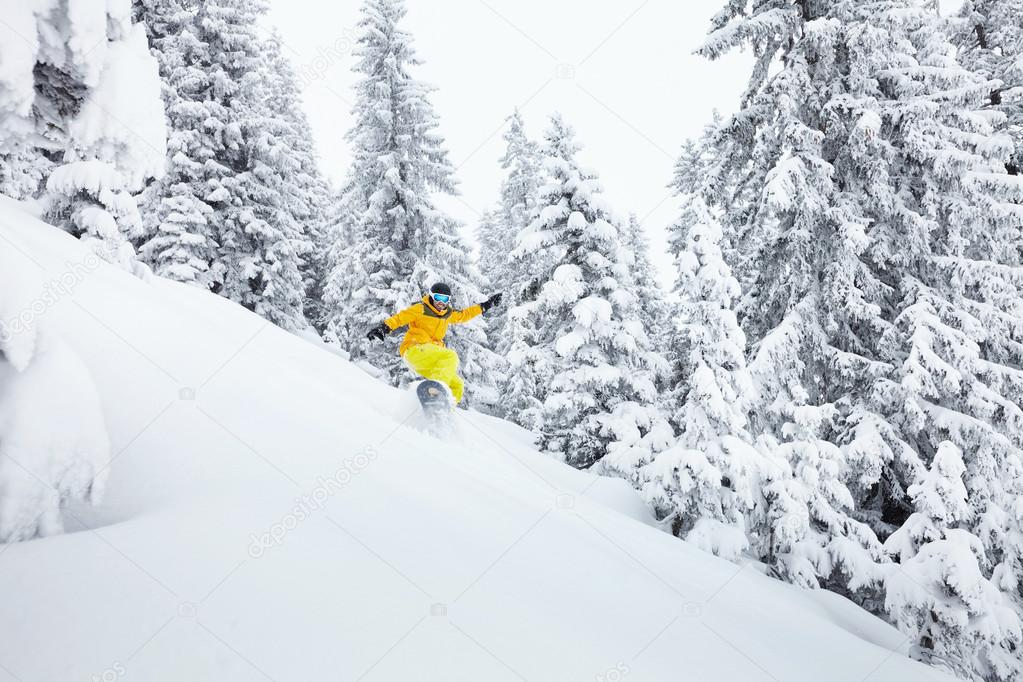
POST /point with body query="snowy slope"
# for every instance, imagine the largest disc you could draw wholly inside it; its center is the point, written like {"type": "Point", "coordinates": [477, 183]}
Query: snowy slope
{"type": "Point", "coordinates": [272, 513]}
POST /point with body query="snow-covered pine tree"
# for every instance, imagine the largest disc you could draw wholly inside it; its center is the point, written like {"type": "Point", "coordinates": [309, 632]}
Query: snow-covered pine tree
{"type": "Point", "coordinates": [701, 172]}
{"type": "Point", "coordinates": [263, 241]}
{"type": "Point", "coordinates": [882, 233]}
{"type": "Point", "coordinates": [522, 165]}
{"type": "Point", "coordinates": [957, 341]}
{"type": "Point", "coordinates": [231, 212]}
{"type": "Point", "coordinates": [650, 297]}
{"type": "Point", "coordinates": [380, 237]}
{"type": "Point", "coordinates": [491, 239]}
{"type": "Point", "coordinates": [940, 593]}
{"type": "Point", "coordinates": [182, 211]}
{"type": "Point", "coordinates": [597, 360]}
{"type": "Point", "coordinates": [990, 36]}
{"type": "Point", "coordinates": [392, 242]}
{"type": "Point", "coordinates": [316, 265]}
{"type": "Point", "coordinates": [803, 510]}
{"type": "Point", "coordinates": [497, 234]}
{"type": "Point", "coordinates": [708, 482]}
{"type": "Point", "coordinates": [522, 177]}
{"type": "Point", "coordinates": [63, 109]}
{"type": "Point", "coordinates": [311, 201]}
{"type": "Point", "coordinates": [528, 368]}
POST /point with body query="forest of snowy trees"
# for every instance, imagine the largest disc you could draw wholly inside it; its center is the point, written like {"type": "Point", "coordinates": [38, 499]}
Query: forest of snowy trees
{"type": "Point", "coordinates": [833, 387]}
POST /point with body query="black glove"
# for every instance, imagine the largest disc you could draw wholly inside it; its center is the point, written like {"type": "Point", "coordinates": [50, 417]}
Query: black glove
{"type": "Point", "coordinates": [491, 302]}
{"type": "Point", "coordinates": [378, 332]}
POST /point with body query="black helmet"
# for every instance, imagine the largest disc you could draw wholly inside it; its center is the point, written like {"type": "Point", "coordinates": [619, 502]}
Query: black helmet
{"type": "Point", "coordinates": [440, 288]}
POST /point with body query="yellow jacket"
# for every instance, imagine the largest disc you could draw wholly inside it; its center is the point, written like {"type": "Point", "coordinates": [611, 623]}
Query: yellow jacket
{"type": "Point", "coordinates": [426, 324]}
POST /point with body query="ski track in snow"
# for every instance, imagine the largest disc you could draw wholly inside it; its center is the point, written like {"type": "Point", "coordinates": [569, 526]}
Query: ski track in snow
{"type": "Point", "coordinates": [272, 512]}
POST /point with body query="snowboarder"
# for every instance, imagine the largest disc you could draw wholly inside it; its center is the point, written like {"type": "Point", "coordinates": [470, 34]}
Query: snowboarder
{"type": "Point", "coordinates": [423, 347]}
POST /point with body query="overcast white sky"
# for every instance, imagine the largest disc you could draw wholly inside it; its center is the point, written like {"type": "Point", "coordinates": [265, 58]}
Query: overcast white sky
{"type": "Point", "coordinates": [622, 73]}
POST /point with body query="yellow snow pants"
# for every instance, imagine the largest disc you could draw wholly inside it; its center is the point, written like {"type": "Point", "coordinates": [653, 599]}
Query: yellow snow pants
{"type": "Point", "coordinates": [436, 362]}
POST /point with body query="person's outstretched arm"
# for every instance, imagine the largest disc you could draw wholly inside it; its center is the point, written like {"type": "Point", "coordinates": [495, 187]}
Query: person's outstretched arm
{"type": "Point", "coordinates": [395, 321]}
{"type": "Point", "coordinates": [459, 316]}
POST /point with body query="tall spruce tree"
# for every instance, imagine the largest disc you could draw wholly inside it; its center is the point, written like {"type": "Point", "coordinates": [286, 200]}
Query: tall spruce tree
{"type": "Point", "coordinates": [522, 177]}
{"type": "Point", "coordinates": [310, 200]}
{"type": "Point", "coordinates": [497, 235]}
{"type": "Point", "coordinates": [872, 208]}
{"type": "Point", "coordinates": [232, 211]}
{"type": "Point", "coordinates": [585, 317]}
{"type": "Point", "coordinates": [650, 298]}
{"type": "Point", "coordinates": [709, 481]}
{"type": "Point", "coordinates": [263, 240]}
{"type": "Point", "coordinates": [181, 210]}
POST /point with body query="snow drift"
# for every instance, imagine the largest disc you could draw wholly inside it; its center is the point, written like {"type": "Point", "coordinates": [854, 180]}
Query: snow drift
{"type": "Point", "coordinates": [272, 513]}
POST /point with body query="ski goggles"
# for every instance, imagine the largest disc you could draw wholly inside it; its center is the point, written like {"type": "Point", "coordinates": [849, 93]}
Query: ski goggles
{"type": "Point", "coordinates": [441, 298]}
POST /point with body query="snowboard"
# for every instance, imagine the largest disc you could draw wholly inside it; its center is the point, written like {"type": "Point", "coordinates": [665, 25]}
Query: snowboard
{"type": "Point", "coordinates": [436, 401]}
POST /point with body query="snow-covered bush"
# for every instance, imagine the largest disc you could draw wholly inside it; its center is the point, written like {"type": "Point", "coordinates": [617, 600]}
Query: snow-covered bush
{"type": "Point", "coordinates": [91, 200]}
{"type": "Point", "coordinates": [54, 446]}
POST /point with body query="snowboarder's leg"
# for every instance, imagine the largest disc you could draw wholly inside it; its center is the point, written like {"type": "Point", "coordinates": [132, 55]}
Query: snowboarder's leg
{"type": "Point", "coordinates": [457, 387]}
{"type": "Point", "coordinates": [437, 363]}
{"type": "Point", "coordinates": [446, 366]}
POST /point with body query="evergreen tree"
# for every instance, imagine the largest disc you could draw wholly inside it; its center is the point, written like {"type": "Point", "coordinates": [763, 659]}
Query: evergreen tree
{"type": "Point", "coordinates": [310, 198]}
{"type": "Point", "coordinates": [90, 199]}
{"type": "Point", "coordinates": [870, 205]}
{"type": "Point", "coordinates": [940, 594]}
{"type": "Point", "coordinates": [497, 235]}
{"type": "Point", "coordinates": [23, 173]}
{"type": "Point", "coordinates": [652, 306]}
{"type": "Point", "coordinates": [527, 370]}
{"type": "Point", "coordinates": [240, 187]}
{"type": "Point", "coordinates": [701, 177]}
{"type": "Point", "coordinates": [392, 242]}
{"type": "Point", "coordinates": [263, 241]}
{"type": "Point", "coordinates": [181, 210]}
{"type": "Point", "coordinates": [523, 174]}
{"type": "Point", "coordinates": [708, 481]}
{"type": "Point", "coordinates": [316, 265]}
{"type": "Point", "coordinates": [587, 330]}
{"type": "Point", "coordinates": [498, 229]}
